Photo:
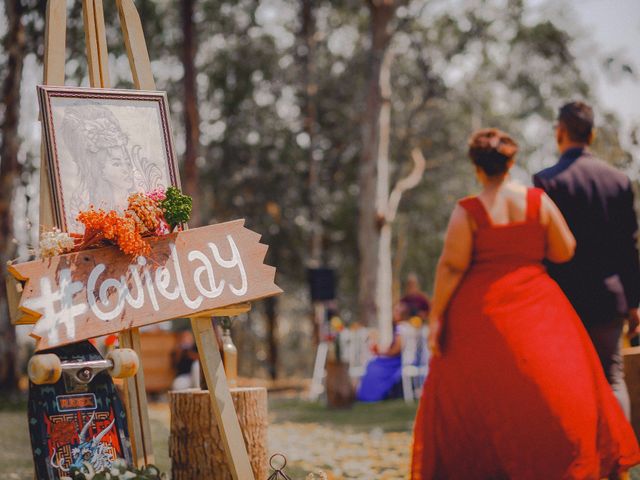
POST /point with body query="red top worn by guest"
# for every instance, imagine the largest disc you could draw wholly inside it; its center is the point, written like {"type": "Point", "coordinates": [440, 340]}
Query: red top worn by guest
{"type": "Point", "coordinates": [518, 392]}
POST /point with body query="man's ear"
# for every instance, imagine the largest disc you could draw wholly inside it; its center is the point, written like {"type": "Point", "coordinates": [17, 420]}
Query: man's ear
{"type": "Point", "coordinates": [560, 133]}
{"type": "Point", "coordinates": [592, 136]}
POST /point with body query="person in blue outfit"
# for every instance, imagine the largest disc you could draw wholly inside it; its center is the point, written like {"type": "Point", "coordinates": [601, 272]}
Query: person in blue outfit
{"type": "Point", "coordinates": [382, 378]}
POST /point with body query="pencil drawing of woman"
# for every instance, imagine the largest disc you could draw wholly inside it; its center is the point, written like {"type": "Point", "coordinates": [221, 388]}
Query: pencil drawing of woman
{"type": "Point", "coordinates": [107, 166]}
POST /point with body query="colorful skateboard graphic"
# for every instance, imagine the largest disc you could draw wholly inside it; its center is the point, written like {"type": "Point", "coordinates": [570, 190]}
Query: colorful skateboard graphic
{"type": "Point", "coordinates": [76, 419]}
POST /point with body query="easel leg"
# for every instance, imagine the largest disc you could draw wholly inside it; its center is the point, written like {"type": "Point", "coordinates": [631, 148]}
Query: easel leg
{"type": "Point", "coordinates": [136, 405]}
{"type": "Point", "coordinates": [223, 408]}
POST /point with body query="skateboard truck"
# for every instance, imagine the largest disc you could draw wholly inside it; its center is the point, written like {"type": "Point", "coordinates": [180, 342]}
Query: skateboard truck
{"type": "Point", "coordinates": [47, 368]}
{"type": "Point", "coordinates": [84, 372]}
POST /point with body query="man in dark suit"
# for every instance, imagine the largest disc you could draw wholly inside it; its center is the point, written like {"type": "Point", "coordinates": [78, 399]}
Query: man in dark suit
{"type": "Point", "coordinates": [602, 281]}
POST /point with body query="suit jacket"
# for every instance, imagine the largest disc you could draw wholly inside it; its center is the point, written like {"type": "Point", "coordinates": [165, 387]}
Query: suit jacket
{"type": "Point", "coordinates": [603, 278]}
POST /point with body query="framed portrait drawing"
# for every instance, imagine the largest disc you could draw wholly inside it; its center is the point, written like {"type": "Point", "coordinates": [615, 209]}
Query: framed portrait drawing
{"type": "Point", "coordinates": [102, 145]}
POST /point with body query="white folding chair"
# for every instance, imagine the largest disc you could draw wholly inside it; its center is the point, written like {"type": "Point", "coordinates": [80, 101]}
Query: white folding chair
{"type": "Point", "coordinates": [354, 350]}
{"type": "Point", "coordinates": [359, 353]}
{"type": "Point", "coordinates": [415, 360]}
{"type": "Point", "coordinates": [317, 381]}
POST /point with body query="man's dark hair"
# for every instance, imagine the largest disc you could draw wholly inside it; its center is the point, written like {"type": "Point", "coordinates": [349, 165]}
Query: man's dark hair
{"type": "Point", "coordinates": [577, 118]}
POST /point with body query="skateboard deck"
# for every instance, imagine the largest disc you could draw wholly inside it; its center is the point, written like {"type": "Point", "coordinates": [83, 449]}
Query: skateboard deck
{"type": "Point", "coordinates": [75, 426]}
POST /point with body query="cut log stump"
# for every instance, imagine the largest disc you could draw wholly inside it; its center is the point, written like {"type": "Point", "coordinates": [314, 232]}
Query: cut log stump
{"type": "Point", "coordinates": [340, 392]}
{"type": "Point", "coordinates": [195, 445]}
{"type": "Point", "coordinates": [632, 377]}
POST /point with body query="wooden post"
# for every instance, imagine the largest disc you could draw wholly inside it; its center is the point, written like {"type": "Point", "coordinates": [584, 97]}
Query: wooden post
{"type": "Point", "coordinates": [136, 404]}
{"type": "Point", "coordinates": [136, 46]}
{"type": "Point", "coordinates": [221, 403]}
{"type": "Point", "coordinates": [55, 41]}
{"type": "Point", "coordinates": [340, 393]}
{"type": "Point", "coordinates": [196, 446]}
{"type": "Point", "coordinates": [96, 39]}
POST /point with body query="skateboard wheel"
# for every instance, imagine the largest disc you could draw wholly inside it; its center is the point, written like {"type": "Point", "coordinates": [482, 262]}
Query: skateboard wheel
{"type": "Point", "coordinates": [45, 369]}
{"type": "Point", "coordinates": [124, 363]}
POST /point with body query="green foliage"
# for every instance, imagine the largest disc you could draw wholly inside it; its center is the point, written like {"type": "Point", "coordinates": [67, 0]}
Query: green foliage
{"type": "Point", "coordinates": [390, 415]}
{"type": "Point", "coordinates": [176, 207]}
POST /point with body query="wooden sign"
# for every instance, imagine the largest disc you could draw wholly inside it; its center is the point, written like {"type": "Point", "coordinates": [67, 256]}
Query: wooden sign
{"type": "Point", "coordinates": [92, 293]}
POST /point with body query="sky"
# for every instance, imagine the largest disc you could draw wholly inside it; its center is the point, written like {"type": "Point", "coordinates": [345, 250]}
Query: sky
{"type": "Point", "coordinates": [612, 27]}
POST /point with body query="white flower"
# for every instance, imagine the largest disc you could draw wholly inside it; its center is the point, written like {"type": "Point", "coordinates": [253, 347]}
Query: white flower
{"type": "Point", "coordinates": [54, 243]}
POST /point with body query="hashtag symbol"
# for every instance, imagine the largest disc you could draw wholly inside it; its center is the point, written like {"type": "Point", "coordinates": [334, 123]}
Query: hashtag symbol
{"type": "Point", "coordinates": [57, 307]}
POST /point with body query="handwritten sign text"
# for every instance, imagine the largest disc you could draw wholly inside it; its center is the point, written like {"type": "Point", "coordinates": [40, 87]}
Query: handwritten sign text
{"type": "Point", "coordinates": [96, 292]}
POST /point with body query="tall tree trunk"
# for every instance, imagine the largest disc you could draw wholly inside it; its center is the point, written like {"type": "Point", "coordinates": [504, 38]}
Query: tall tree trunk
{"type": "Point", "coordinates": [374, 232]}
{"type": "Point", "coordinates": [310, 88]}
{"type": "Point", "coordinates": [399, 257]}
{"type": "Point", "coordinates": [14, 44]}
{"type": "Point", "coordinates": [271, 311]}
{"type": "Point", "coordinates": [191, 114]}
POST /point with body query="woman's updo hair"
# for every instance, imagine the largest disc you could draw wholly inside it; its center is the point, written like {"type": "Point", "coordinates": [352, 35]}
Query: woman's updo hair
{"type": "Point", "coordinates": [491, 149]}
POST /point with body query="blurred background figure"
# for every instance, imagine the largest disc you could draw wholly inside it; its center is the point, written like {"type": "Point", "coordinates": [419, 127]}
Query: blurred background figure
{"type": "Point", "coordinates": [602, 281]}
{"type": "Point", "coordinates": [415, 299]}
{"type": "Point", "coordinates": [185, 362]}
{"type": "Point", "coordinates": [382, 378]}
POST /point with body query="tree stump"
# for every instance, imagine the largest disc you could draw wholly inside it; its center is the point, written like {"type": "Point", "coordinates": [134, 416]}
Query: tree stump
{"type": "Point", "coordinates": [340, 393]}
{"type": "Point", "coordinates": [632, 377]}
{"type": "Point", "coordinates": [195, 444]}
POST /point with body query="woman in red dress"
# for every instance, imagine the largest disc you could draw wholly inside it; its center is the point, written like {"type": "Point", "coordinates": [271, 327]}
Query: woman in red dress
{"type": "Point", "coordinates": [515, 389]}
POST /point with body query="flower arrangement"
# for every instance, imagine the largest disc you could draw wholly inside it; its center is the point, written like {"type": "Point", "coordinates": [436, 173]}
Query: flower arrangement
{"type": "Point", "coordinates": [154, 213]}
{"type": "Point", "coordinates": [119, 470]}
{"type": "Point", "coordinates": [176, 207]}
{"type": "Point", "coordinates": [121, 230]}
{"type": "Point", "coordinates": [415, 321]}
{"type": "Point", "coordinates": [55, 242]}
{"type": "Point", "coordinates": [336, 326]}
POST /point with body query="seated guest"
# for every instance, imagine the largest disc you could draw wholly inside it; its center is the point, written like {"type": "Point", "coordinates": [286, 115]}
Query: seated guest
{"type": "Point", "coordinates": [384, 372]}
{"type": "Point", "coordinates": [415, 299]}
{"type": "Point", "coordinates": [185, 362]}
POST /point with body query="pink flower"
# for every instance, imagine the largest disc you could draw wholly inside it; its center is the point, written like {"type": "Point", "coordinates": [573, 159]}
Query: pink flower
{"type": "Point", "coordinates": [157, 194]}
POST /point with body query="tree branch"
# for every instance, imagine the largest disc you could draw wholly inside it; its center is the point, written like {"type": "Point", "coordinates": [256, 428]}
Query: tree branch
{"type": "Point", "coordinates": [406, 183]}
{"type": "Point", "coordinates": [404, 22]}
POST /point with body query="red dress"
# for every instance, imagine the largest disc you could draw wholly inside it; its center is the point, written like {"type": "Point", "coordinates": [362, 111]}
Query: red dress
{"type": "Point", "coordinates": [518, 392]}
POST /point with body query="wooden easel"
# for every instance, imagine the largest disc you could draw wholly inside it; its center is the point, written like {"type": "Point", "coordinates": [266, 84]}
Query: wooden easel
{"type": "Point", "coordinates": [135, 396]}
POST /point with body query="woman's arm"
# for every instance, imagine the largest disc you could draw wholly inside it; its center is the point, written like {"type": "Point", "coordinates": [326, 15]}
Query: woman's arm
{"type": "Point", "coordinates": [395, 348]}
{"type": "Point", "coordinates": [454, 262]}
{"type": "Point", "coordinates": [561, 243]}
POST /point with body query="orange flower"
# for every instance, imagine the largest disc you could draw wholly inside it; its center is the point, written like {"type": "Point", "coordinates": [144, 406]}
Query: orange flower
{"type": "Point", "coordinates": [121, 230]}
{"type": "Point", "coordinates": [144, 211]}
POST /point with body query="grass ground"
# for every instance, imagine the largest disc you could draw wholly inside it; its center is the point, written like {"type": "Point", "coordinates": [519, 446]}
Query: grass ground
{"type": "Point", "coordinates": [390, 416]}
{"type": "Point", "coordinates": [369, 441]}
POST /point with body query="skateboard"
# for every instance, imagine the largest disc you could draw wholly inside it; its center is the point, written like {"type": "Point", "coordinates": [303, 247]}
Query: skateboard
{"type": "Point", "coordinates": [77, 422]}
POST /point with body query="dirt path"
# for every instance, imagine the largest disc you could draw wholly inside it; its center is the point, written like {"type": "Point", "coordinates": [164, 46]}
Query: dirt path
{"type": "Point", "coordinates": [341, 452]}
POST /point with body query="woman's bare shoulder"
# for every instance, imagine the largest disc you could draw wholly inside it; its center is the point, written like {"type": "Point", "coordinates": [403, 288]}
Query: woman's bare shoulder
{"type": "Point", "coordinates": [516, 189]}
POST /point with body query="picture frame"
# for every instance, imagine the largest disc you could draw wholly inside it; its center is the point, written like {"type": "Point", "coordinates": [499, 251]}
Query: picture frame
{"type": "Point", "coordinates": [102, 145]}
